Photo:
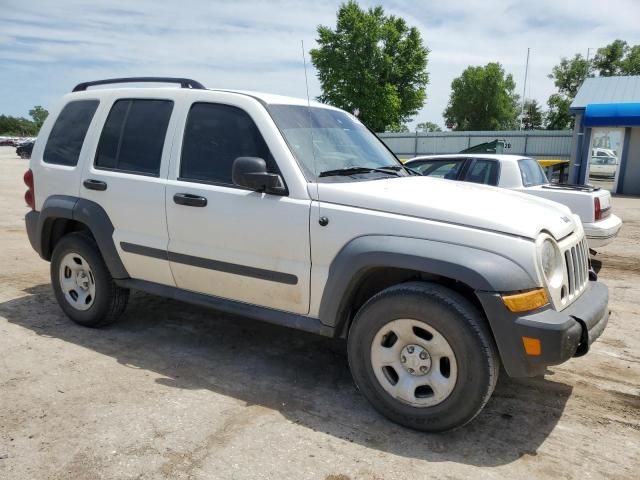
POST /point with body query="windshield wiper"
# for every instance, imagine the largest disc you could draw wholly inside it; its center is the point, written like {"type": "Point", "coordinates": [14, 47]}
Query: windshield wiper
{"type": "Point", "coordinates": [390, 170]}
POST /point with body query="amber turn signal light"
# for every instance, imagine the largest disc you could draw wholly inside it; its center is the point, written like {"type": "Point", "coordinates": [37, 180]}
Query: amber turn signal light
{"type": "Point", "coordinates": [523, 302]}
{"type": "Point", "coordinates": [532, 346]}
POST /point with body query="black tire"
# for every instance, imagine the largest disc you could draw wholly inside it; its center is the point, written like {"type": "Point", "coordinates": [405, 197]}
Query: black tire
{"type": "Point", "coordinates": [110, 300]}
{"type": "Point", "coordinates": [461, 325]}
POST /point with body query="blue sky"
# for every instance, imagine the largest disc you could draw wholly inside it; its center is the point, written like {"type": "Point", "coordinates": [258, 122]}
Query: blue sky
{"type": "Point", "coordinates": [46, 47]}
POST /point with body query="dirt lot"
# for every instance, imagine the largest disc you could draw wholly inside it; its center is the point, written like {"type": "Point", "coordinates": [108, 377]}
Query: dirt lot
{"type": "Point", "coordinates": [175, 391]}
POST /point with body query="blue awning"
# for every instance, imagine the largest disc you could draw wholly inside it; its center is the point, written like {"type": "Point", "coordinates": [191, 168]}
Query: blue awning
{"type": "Point", "coordinates": [612, 115]}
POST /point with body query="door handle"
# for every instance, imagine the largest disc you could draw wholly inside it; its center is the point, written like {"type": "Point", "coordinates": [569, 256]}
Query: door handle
{"type": "Point", "coordinates": [190, 200]}
{"type": "Point", "coordinates": [92, 184]}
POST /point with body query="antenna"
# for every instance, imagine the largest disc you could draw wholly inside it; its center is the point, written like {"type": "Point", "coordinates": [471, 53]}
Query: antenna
{"type": "Point", "coordinates": [313, 146]}
{"type": "Point", "coordinates": [306, 80]}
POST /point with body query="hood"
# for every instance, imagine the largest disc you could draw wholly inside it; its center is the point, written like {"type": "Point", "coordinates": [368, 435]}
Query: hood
{"type": "Point", "coordinates": [469, 204]}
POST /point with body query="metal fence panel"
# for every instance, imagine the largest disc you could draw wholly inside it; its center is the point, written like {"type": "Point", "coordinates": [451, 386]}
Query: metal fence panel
{"type": "Point", "coordinates": [535, 143]}
{"type": "Point", "coordinates": [441, 144]}
{"type": "Point", "coordinates": [557, 145]}
{"type": "Point", "coordinates": [400, 145]}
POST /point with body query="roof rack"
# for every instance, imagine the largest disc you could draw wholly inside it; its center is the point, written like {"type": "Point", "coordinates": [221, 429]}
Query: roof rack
{"type": "Point", "coordinates": [184, 82]}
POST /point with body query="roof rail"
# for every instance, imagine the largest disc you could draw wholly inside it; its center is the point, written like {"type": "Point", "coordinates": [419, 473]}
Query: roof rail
{"type": "Point", "coordinates": [184, 82]}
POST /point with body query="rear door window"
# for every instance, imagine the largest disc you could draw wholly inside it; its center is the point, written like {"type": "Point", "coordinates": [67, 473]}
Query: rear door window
{"type": "Point", "coordinates": [133, 136]}
{"type": "Point", "coordinates": [484, 171]}
{"type": "Point", "coordinates": [68, 133]}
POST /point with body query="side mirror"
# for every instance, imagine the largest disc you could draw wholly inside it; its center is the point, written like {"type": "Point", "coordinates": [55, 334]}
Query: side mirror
{"type": "Point", "coordinates": [251, 172]}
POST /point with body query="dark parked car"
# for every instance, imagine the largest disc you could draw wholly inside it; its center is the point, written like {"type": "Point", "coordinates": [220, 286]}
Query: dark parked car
{"type": "Point", "coordinates": [24, 149]}
{"type": "Point", "coordinates": [7, 142]}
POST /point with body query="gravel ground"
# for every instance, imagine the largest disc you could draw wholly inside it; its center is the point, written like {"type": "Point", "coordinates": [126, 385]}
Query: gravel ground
{"type": "Point", "coordinates": [176, 391]}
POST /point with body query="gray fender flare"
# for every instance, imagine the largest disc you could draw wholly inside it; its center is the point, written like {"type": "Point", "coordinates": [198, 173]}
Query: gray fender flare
{"type": "Point", "coordinates": [84, 211]}
{"type": "Point", "coordinates": [479, 269]}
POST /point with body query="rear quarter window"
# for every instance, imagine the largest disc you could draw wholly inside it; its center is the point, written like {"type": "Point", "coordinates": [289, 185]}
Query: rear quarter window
{"type": "Point", "coordinates": [531, 172]}
{"type": "Point", "coordinates": [68, 133]}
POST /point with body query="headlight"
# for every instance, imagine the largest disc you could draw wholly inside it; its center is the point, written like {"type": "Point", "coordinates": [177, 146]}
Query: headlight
{"type": "Point", "coordinates": [551, 262]}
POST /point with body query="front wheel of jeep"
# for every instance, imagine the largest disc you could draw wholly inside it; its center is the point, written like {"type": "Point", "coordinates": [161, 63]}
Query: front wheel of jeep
{"type": "Point", "coordinates": [423, 356]}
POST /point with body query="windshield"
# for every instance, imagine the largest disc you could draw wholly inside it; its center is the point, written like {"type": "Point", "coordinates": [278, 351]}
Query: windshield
{"type": "Point", "coordinates": [339, 142]}
{"type": "Point", "coordinates": [532, 173]}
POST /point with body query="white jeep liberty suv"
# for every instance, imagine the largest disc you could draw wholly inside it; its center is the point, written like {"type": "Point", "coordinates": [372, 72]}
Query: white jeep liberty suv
{"type": "Point", "coordinates": [296, 214]}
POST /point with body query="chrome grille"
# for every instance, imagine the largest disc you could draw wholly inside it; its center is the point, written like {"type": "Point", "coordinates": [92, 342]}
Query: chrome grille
{"type": "Point", "coordinates": [577, 270]}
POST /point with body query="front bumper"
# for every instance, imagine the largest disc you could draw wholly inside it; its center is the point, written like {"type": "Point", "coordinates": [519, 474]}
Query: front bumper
{"type": "Point", "coordinates": [562, 335]}
{"type": "Point", "coordinates": [602, 232]}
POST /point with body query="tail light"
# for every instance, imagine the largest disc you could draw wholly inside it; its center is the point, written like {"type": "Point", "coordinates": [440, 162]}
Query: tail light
{"type": "Point", "coordinates": [596, 206]}
{"type": "Point", "coordinates": [30, 194]}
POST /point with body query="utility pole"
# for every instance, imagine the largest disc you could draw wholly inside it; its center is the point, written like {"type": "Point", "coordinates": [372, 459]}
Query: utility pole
{"type": "Point", "coordinates": [524, 90]}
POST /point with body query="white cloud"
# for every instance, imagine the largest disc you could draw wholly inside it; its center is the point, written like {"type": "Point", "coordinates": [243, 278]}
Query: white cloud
{"type": "Point", "coordinates": [46, 47]}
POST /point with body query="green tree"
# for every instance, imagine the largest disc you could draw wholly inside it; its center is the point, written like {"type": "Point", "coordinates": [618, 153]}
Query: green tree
{"type": "Point", "coordinates": [482, 98]}
{"type": "Point", "coordinates": [608, 59]}
{"type": "Point", "coordinates": [39, 115]}
{"type": "Point", "coordinates": [398, 128]}
{"type": "Point", "coordinates": [17, 126]}
{"type": "Point", "coordinates": [630, 64]}
{"type": "Point", "coordinates": [428, 127]}
{"type": "Point", "coordinates": [374, 63]}
{"type": "Point", "coordinates": [558, 116]}
{"type": "Point", "coordinates": [569, 74]}
{"type": "Point", "coordinates": [617, 58]}
{"type": "Point", "coordinates": [532, 115]}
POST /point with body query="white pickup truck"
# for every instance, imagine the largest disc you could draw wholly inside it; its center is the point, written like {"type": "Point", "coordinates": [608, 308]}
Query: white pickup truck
{"type": "Point", "coordinates": [591, 204]}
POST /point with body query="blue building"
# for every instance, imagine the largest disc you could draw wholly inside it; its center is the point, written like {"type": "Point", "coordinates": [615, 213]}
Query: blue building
{"type": "Point", "coordinates": [606, 143]}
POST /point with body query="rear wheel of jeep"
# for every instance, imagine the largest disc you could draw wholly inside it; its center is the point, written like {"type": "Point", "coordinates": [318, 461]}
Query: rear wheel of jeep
{"type": "Point", "coordinates": [423, 356]}
{"type": "Point", "coordinates": [82, 284]}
